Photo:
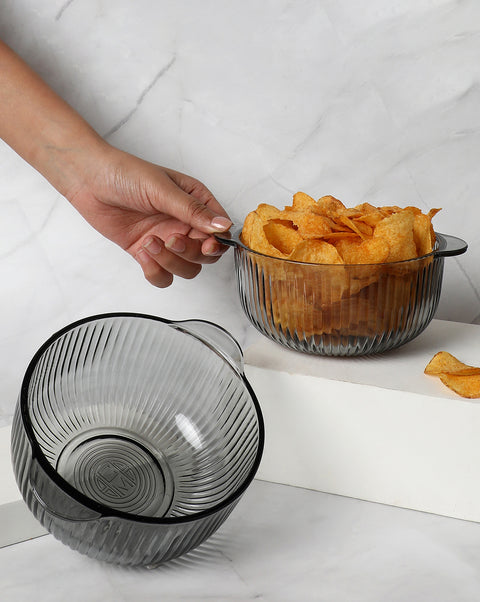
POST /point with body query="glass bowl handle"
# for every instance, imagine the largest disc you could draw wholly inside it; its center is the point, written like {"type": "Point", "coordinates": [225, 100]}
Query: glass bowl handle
{"type": "Point", "coordinates": [232, 239]}
{"type": "Point", "coordinates": [215, 337]}
{"type": "Point", "coordinates": [55, 502]}
{"type": "Point", "coordinates": [449, 246]}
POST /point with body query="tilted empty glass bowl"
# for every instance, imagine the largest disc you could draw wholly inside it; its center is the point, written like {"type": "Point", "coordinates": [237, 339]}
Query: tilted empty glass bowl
{"type": "Point", "coordinates": [341, 309]}
{"type": "Point", "coordinates": [134, 437]}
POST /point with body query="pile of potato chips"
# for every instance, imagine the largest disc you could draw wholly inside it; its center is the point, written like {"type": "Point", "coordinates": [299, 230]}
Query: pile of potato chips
{"type": "Point", "coordinates": [457, 376]}
{"type": "Point", "coordinates": [327, 232]}
{"type": "Point", "coordinates": [364, 272]}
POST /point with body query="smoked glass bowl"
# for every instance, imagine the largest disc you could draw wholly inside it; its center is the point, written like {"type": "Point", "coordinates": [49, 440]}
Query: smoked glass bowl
{"type": "Point", "coordinates": [135, 437]}
{"type": "Point", "coordinates": [340, 310]}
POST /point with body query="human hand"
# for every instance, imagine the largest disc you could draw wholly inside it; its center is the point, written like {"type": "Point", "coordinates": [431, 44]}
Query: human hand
{"type": "Point", "coordinates": [163, 218]}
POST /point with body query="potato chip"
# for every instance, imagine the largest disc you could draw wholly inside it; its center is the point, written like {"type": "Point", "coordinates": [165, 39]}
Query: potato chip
{"type": "Point", "coordinates": [457, 376]}
{"type": "Point", "coordinates": [303, 202]}
{"type": "Point", "coordinates": [423, 234]}
{"type": "Point", "coordinates": [397, 229]}
{"type": "Point", "coordinates": [444, 362]}
{"type": "Point", "coordinates": [367, 209]}
{"type": "Point", "coordinates": [465, 372]}
{"type": "Point", "coordinates": [406, 233]}
{"type": "Point", "coordinates": [248, 227]}
{"type": "Point", "coordinates": [253, 236]}
{"type": "Point", "coordinates": [338, 226]}
{"type": "Point", "coordinates": [311, 225]}
{"type": "Point", "coordinates": [316, 251]}
{"type": "Point", "coordinates": [389, 210]}
{"type": "Point", "coordinates": [341, 235]}
{"type": "Point", "coordinates": [330, 206]}
{"type": "Point", "coordinates": [282, 235]}
{"type": "Point", "coordinates": [465, 386]}
{"type": "Point", "coordinates": [372, 250]}
{"type": "Point", "coordinates": [267, 212]}
{"type": "Point", "coordinates": [347, 221]}
{"type": "Point", "coordinates": [371, 219]}
{"type": "Point", "coordinates": [365, 229]}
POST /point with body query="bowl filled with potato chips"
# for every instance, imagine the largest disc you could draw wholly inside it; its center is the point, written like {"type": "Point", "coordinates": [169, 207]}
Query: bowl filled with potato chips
{"type": "Point", "coordinates": [325, 279]}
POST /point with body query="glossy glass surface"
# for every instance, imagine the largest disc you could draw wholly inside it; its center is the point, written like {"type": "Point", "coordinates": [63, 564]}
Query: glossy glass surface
{"type": "Point", "coordinates": [341, 310]}
{"type": "Point", "coordinates": [135, 437]}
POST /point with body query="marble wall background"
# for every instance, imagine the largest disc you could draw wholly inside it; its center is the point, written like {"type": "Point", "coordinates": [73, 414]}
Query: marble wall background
{"type": "Point", "coordinates": [369, 101]}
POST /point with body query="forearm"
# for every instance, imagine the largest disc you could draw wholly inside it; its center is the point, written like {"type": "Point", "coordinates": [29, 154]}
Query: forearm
{"type": "Point", "coordinates": [43, 129]}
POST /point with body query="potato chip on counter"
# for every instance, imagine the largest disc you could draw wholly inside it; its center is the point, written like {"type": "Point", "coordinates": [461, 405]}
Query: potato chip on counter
{"type": "Point", "coordinates": [457, 376]}
{"type": "Point", "coordinates": [326, 231]}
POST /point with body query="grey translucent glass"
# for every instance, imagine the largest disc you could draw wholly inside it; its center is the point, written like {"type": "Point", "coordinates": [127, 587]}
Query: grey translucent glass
{"type": "Point", "coordinates": [341, 310]}
{"type": "Point", "coordinates": [135, 437]}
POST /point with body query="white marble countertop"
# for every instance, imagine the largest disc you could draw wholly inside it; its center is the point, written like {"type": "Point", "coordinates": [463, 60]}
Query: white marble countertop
{"type": "Point", "coordinates": [369, 101]}
{"type": "Point", "coordinates": [280, 544]}
{"type": "Point", "coordinates": [285, 543]}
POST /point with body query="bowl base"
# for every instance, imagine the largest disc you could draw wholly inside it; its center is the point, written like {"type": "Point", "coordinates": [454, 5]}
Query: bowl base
{"type": "Point", "coordinates": [119, 471]}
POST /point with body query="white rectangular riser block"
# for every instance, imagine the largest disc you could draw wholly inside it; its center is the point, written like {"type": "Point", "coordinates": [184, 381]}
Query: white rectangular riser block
{"type": "Point", "coordinates": [17, 523]}
{"type": "Point", "coordinates": [382, 445]}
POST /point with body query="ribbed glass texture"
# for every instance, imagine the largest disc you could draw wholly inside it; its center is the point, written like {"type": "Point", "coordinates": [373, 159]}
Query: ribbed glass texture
{"type": "Point", "coordinates": [338, 310]}
{"type": "Point", "coordinates": [135, 437]}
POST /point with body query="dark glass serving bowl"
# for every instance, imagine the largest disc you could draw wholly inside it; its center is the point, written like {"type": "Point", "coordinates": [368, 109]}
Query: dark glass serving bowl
{"type": "Point", "coordinates": [135, 437]}
{"type": "Point", "coordinates": [340, 310]}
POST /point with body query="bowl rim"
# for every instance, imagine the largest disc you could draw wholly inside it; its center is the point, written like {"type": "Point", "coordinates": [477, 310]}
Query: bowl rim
{"type": "Point", "coordinates": [446, 245]}
{"type": "Point", "coordinates": [103, 510]}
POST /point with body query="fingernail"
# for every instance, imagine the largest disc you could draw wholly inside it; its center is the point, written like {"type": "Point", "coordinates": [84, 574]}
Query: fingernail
{"type": "Point", "coordinates": [175, 244]}
{"type": "Point", "coordinates": [220, 223]}
{"type": "Point", "coordinates": [216, 253]}
{"type": "Point", "coordinates": [141, 256]}
{"type": "Point", "coordinates": [214, 250]}
{"type": "Point", "coordinates": [153, 245]}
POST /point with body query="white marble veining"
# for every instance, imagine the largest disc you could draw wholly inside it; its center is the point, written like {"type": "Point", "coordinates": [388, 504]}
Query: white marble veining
{"type": "Point", "coordinates": [370, 101]}
{"type": "Point", "coordinates": [281, 544]}
{"type": "Point", "coordinates": [374, 101]}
